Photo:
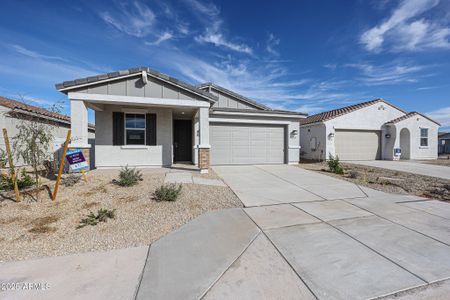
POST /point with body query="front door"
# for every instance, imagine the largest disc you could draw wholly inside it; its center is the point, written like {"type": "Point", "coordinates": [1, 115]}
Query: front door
{"type": "Point", "coordinates": [182, 140]}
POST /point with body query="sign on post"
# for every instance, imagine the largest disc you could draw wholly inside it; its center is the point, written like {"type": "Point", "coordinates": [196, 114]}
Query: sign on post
{"type": "Point", "coordinates": [76, 160]}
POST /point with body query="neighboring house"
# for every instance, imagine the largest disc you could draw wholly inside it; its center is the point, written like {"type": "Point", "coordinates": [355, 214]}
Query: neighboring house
{"type": "Point", "coordinates": [13, 112]}
{"type": "Point", "coordinates": [444, 142]}
{"type": "Point", "coordinates": [145, 118]}
{"type": "Point", "coordinates": [368, 131]}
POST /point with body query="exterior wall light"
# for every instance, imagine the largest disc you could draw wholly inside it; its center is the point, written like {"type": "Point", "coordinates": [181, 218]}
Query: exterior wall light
{"type": "Point", "coordinates": [331, 135]}
{"type": "Point", "coordinates": [294, 132]}
{"type": "Point", "coordinates": [387, 135]}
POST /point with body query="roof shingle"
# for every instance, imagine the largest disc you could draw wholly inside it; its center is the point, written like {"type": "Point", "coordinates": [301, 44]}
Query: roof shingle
{"type": "Point", "coordinates": [409, 115]}
{"type": "Point", "coordinates": [17, 105]}
{"type": "Point", "coordinates": [328, 115]}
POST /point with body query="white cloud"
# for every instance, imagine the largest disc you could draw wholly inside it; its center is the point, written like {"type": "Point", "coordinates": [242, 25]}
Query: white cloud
{"type": "Point", "coordinates": [441, 115]}
{"type": "Point", "coordinates": [403, 31]}
{"type": "Point", "coordinates": [209, 14]}
{"type": "Point", "coordinates": [34, 54]}
{"type": "Point", "coordinates": [272, 42]}
{"type": "Point", "coordinates": [387, 74]}
{"type": "Point", "coordinates": [134, 19]}
{"type": "Point", "coordinates": [163, 37]}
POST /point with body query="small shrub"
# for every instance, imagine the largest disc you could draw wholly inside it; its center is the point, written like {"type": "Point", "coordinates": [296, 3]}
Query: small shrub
{"type": "Point", "coordinates": [23, 181]}
{"type": "Point", "coordinates": [102, 215]}
{"type": "Point", "coordinates": [128, 177]}
{"type": "Point", "coordinates": [167, 192]}
{"type": "Point", "coordinates": [70, 180]}
{"type": "Point", "coordinates": [353, 174]}
{"type": "Point", "coordinates": [335, 165]}
{"type": "Point", "coordinates": [3, 159]}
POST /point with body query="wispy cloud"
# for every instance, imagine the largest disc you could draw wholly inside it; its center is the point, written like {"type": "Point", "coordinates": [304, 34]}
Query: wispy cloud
{"type": "Point", "coordinates": [135, 19]}
{"type": "Point", "coordinates": [213, 34]}
{"type": "Point", "coordinates": [403, 31]}
{"type": "Point", "coordinates": [272, 42]}
{"type": "Point", "coordinates": [441, 115]}
{"type": "Point", "coordinates": [34, 54]}
{"type": "Point", "coordinates": [388, 74]}
{"type": "Point", "coordinates": [163, 37]}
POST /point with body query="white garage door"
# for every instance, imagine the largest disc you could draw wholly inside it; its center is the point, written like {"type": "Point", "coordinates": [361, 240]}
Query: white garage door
{"type": "Point", "coordinates": [246, 144]}
{"type": "Point", "coordinates": [358, 144]}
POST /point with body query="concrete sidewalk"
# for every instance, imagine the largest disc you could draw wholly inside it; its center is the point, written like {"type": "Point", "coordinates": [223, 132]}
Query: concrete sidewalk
{"type": "Point", "coordinates": [350, 248]}
{"type": "Point", "coordinates": [408, 166]}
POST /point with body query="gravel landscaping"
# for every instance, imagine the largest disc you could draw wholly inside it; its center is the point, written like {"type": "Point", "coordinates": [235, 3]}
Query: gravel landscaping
{"type": "Point", "coordinates": [388, 181]}
{"type": "Point", "coordinates": [44, 228]}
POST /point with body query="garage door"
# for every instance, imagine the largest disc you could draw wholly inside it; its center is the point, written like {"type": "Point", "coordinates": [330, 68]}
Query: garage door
{"type": "Point", "coordinates": [358, 144]}
{"type": "Point", "coordinates": [246, 144]}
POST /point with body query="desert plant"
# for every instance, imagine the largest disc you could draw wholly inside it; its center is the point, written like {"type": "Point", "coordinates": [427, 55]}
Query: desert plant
{"type": "Point", "coordinates": [33, 140]}
{"type": "Point", "coordinates": [3, 159]}
{"type": "Point", "coordinates": [102, 215]}
{"type": "Point", "coordinates": [334, 165]}
{"type": "Point", "coordinates": [353, 174]}
{"type": "Point", "coordinates": [23, 181]}
{"type": "Point", "coordinates": [128, 177]}
{"type": "Point", "coordinates": [167, 192]}
{"type": "Point", "coordinates": [70, 180]}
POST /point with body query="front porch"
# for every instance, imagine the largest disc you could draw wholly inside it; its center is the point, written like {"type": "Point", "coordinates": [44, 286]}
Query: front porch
{"type": "Point", "coordinates": [142, 132]}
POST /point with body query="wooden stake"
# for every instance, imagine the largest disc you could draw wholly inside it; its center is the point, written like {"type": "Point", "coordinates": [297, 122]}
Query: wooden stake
{"type": "Point", "coordinates": [83, 172]}
{"type": "Point", "coordinates": [61, 165]}
{"type": "Point", "coordinates": [11, 164]}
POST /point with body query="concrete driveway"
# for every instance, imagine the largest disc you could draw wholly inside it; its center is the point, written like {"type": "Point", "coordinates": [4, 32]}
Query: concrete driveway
{"type": "Point", "coordinates": [408, 166]}
{"type": "Point", "coordinates": [360, 245]}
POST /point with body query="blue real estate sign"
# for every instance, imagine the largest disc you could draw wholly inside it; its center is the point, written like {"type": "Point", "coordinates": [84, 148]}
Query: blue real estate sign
{"type": "Point", "coordinates": [76, 160]}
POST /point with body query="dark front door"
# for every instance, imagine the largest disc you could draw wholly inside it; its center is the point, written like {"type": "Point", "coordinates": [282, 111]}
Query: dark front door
{"type": "Point", "coordinates": [182, 140]}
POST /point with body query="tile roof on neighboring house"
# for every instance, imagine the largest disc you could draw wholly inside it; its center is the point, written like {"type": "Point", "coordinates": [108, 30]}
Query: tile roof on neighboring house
{"type": "Point", "coordinates": [41, 112]}
{"type": "Point", "coordinates": [116, 75]}
{"type": "Point", "coordinates": [231, 93]}
{"type": "Point", "coordinates": [409, 115]}
{"type": "Point", "coordinates": [443, 134]}
{"type": "Point", "coordinates": [328, 115]}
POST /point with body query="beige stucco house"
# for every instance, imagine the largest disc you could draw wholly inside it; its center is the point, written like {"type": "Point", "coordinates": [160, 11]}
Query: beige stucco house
{"type": "Point", "coordinates": [370, 130]}
{"type": "Point", "coordinates": [146, 119]}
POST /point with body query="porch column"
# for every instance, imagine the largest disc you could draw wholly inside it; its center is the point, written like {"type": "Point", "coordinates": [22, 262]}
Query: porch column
{"type": "Point", "coordinates": [203, 146]}
{"type": "Point", "coordinates": [79, 127]}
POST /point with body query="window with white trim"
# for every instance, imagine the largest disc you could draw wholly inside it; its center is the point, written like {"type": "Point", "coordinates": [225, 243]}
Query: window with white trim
{"type": "Point", "coordinates": [424, 137]}
{"type": "Point", "coordinates": [135, 129]}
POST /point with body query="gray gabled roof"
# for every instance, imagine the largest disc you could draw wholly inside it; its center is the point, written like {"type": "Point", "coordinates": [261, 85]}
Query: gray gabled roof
{"type": "Point", "coordinates": [72, 84]}
{"type": "Point", "coordinates": [233, 94]}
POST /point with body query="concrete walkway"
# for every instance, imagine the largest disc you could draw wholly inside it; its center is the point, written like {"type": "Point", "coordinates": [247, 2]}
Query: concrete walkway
{"type": "Point", "coordinates": [408, 166]}
{"type": "Point", "coordinates": [361, 244]}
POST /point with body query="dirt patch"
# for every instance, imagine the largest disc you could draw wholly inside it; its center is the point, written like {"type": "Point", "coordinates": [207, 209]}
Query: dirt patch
{"type": "Point", "coordinates": [389, 181]}
{"type": "Point", "coordinates": [46, 228]}
{"type": "Point", "coordinates": [438, 162]}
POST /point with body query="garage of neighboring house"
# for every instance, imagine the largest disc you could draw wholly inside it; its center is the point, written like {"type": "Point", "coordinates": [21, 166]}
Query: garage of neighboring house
{"type": "Point", "coordinates": [358, 144]}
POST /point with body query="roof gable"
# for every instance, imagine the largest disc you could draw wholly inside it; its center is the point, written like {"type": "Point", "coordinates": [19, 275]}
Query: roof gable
{"type": "Point", "coordinates": [332, 114]}
{"type": "Point", "coordinates": [410, 115]}
{"type": "Point", "coordinates": [239, 98]}
{"type": "Point", "coordinates": [97, 80]}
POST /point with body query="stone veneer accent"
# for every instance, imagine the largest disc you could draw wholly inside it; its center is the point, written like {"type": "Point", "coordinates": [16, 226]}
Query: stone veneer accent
{"type": "Point", "coordinates": [203, 159]}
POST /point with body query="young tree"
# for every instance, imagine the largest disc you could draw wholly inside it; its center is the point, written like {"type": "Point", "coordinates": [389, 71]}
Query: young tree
{"type": "Point", "coordinates": [34, 139]}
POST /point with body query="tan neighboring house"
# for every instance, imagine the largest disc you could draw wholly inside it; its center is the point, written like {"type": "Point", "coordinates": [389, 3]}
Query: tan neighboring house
{"type": "Point", "coordinates": [13, 112]}
{"type": "Point", "coordinates": [368, 131]}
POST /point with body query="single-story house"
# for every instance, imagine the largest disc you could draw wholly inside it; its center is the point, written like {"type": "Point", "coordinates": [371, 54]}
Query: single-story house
{"type": "Point", "coordinates": [145, 118]}
{"type": "Point", "coordinates": [13, 112]}
{"type": "Point", "coordinates": [367, 131]}
{"type": "Point", "coordinates": [444, 142]}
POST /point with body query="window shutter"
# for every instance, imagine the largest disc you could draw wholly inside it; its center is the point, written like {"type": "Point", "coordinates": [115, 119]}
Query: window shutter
{"type": "Point", "coordinates": [118, 128]}
{"type": "Point", "coordinates": [150, 129]}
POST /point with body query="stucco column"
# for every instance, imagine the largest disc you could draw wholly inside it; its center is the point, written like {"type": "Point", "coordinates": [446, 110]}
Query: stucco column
{"type": "Point", "coordinates": [293, 136]}
{"type": "Point", "coordinates": [203, 146]}
{"type": "Point", "coordinates": [79, 124]}
{"type": "Point", "coordinates": [79, 127]}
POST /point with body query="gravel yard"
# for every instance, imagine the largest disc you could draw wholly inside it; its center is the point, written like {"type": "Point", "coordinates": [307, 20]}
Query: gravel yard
{"type": "Point", "coordinates": [44, 228]}
{"type": "Point", "coordinates": [389, 181]}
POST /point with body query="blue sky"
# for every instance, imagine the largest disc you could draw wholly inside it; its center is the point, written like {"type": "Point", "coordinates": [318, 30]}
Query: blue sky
{"type": "Point", "coordinates": [307, 56]}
